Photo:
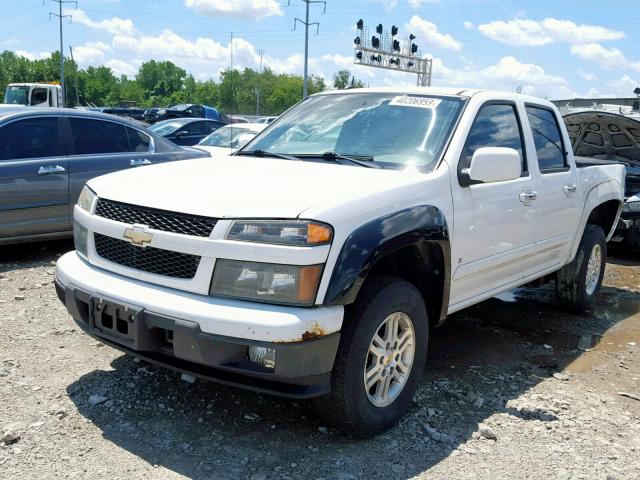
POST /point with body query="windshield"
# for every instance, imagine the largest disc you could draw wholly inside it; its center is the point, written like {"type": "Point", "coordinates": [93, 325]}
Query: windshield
{"type": "Point", "coordinates": [395, 131]}
{"type": "Point", "coordinates": [228, 136]}
{"type": "Point", "coordinates": [17, 95]}
{"type": "Point", "coordinates": [165, 128]}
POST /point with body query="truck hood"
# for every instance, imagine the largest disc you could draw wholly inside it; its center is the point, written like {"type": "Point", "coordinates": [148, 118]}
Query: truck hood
{"type": "Point", "coordinates": [215, 152]}
{"type": "Point", "coordinates": [604, 135]}
{"type": "Point", "coordinates": [246, 187]}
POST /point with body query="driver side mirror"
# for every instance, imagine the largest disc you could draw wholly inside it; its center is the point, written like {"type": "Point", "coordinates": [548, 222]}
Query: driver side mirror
{"type": "Point", "coordinates": [494, 164]}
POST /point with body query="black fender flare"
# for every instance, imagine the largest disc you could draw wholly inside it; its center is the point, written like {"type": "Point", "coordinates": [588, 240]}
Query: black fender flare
{"type": "Point", "coordinates": [378, 238]}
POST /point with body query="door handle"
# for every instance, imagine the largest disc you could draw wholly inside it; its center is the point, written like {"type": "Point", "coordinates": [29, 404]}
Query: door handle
{"type": "Point", "coordinates": [569, 188]}
{"type": "Point", "coordinates": [52, 170]}
{"type": "Point", "coordinates": [139, 162]}
{"type": "Point", "coordinates": [528, 197]}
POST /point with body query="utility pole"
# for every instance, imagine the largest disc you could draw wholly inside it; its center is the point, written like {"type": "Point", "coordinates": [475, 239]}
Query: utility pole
{"type": "Point", "coordinates": [305, 91]}
{"type": "Point", "coordinates": [261, 53]}
{"type": "Point", "coordinates": [60, 17]}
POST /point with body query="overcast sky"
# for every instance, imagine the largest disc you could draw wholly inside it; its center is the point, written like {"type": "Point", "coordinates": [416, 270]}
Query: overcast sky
{"type": "Point", "coordinates": [550, 48]}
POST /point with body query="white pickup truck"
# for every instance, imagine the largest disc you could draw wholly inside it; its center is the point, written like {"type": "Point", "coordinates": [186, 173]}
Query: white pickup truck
{"type": "Point", "coordinates": [314, 262]}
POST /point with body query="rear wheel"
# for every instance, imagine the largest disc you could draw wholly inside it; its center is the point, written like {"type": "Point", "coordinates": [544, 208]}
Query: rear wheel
{"type": "Point", "coordinates": [578, 283]}
{"type": "Point", "coordinates": [380, 359]}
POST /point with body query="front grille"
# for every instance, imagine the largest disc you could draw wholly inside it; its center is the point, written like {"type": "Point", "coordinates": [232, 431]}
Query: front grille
{"type": "Point", "coordinates": [147, 259]}
{"type": "Point", "coordinates": [156, 219]}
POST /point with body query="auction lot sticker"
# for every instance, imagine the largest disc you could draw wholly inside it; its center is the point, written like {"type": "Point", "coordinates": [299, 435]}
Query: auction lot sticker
{"type": "Point", "coordinates": [418, 102]}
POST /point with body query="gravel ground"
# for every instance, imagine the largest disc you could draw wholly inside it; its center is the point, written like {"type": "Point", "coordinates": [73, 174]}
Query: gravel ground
{"type": "Point", "coordinates": [513, 389]}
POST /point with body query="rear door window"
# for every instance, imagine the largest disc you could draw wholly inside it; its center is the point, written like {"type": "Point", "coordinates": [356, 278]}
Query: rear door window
{"type": "Point", "coordinates": [92, 136]}
{"type": "Point", "coordinates": [30, 138]}
{"type": "Point", "coordinates": [547, 138]}
{"type": "Point", "coordinates": [138, 141]}
{"type": "Point", "coordinates": [496, 125]}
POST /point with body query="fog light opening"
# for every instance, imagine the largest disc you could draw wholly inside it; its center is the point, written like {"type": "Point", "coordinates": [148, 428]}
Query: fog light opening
{"type": "Point", "coordinates": [263, 356]}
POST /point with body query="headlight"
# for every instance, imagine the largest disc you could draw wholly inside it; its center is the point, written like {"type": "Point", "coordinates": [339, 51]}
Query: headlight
{"type": "Point", "coordinates": [80, 236]}
{"type": "Point", "coordinates": [266, 282]}
{"type": "Point", "coordinates": [281, 232]}
{"type": "Point", "coordinates": [162, 111]}
{"type": "Point", "coordinates": [632, 206]}
{"type": "Point", "coordinates": [87, 199]}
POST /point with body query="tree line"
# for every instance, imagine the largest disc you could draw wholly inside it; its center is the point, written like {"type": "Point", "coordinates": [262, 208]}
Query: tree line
{"type": "Point", "coordinates": [162, 83]}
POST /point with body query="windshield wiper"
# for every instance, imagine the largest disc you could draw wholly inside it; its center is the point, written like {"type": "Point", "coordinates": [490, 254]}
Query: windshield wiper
{"type": "Point", "coordinates": [262, 153]}
{"type": "Point", "coordinates": [364, 160]}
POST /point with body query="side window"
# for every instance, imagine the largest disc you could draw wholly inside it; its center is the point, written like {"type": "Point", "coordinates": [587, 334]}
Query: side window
{"type": "Point", "coordinates": [97, 136]}
{"type": "Point", "coordinates": [38, 96]}
{"type": "Point", "coordinates": [30, 138]}
{"type": "Point", "coordinates": [139, 141]}
{"type": "Point", "coordinates": [547, 138]}
{"type": "Point", "coordinates": [197, 128]}
{"type": "Point", "coordinates": [495, 126]}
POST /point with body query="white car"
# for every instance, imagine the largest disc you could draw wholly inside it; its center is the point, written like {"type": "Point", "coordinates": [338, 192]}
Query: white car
{"type": "Point", "coordinates": [230, 138]}
{"type": "Point", "coordinates": [315, 262]}
{"type": "Point", "coordinates": [267, 120]}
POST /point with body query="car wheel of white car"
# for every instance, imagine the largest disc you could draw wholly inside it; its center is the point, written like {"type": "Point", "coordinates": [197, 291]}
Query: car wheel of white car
{"type": "Point", "coordinates": [380, 360]}
{"type": "Point", "coordinates": [578, 283]}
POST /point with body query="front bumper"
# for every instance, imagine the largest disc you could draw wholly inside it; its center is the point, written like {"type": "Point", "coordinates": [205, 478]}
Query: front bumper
{"type": "Point", "coordinates": [628, 229]}
{"type": "Point", "coordinates": [203, 336]}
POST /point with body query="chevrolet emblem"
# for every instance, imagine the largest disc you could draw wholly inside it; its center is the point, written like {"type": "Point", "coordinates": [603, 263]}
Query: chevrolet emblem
{"type": "Point", "coordinates": [138, 235]}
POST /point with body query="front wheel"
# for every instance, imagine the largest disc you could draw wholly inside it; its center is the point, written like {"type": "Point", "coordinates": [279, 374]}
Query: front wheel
{"type": "Point", "coordinates": [578, 283]}
{"type": "Point", "coordinates": [380, 359]}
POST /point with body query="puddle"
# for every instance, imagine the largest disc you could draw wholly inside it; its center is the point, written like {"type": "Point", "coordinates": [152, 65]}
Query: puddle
{"type": "Point", "coordinates": [623, 335]}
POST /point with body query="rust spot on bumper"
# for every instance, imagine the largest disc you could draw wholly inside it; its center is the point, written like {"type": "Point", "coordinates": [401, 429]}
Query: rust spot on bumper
{"type": "Point", "coordinates": [314, 332]}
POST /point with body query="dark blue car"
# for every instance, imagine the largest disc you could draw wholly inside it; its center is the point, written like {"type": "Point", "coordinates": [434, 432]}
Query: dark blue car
{"type": "Point", "coordinates": [186, 131]}
{"type": "Point", "coordinates": [47, 155]}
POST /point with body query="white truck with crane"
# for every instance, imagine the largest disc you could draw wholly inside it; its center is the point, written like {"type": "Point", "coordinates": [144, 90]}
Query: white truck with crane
{"type": "Point", "coordinates": [48, 95]}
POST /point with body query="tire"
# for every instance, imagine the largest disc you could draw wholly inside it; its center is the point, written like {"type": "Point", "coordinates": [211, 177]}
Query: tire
{"type": "Point", "coordinates": [578, 283]}
{"type": "Point", "coordinates": [350, 406]}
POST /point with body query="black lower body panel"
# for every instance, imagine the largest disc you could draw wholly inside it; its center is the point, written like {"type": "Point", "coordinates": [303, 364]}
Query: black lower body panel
{"type": "Point", "coordinates": [302, 369]}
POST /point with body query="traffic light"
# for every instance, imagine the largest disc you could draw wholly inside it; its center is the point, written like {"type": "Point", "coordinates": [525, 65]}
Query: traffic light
{"type": "Point", "coordinates": [414, 48]}
{"type": "Point", "coordinates": [396, 46]}
{"type": "Point", "coordinates": [360, 24]}
{"type": "Point", "coordinates": [394, 31]}
{"type": "Point", "coordinates": [412, 37]}
{"type": "Point", "coordinates": [356, 40]}
{"type": "Point", "coordinates": [379, 29]}
{"type": "Point", "coordinates": [359, 56]}
{"type": "Point", "coordinates": [375, 42]}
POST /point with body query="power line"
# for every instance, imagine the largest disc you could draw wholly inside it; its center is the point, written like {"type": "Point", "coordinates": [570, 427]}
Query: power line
{"type": "Point", "coordinates": [305, 90]}
{"type": "Point", "coordinates": [60, 17]}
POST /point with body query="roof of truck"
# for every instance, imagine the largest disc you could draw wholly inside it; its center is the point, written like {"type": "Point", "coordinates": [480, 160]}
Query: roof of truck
{"type": "Point", "coordinates": [458, 91]}
{"type": "Point", "coordinates": [452, 92]}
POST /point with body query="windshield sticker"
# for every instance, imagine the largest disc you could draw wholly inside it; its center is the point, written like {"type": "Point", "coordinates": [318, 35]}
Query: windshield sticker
{"type": "Point", "coordinates": [418, 102]}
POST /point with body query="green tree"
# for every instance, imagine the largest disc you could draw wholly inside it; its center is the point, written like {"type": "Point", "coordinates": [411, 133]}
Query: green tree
{"type": "Point", "coordinates": [162, 84]}
{"type": "Point", "coordinates": [161, 79]}
{"type": "Point", "coordinates": [343, 79]}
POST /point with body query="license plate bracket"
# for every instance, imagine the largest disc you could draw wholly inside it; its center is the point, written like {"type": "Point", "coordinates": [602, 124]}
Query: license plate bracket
{"type": "Point", "coordinates": [116, 320]}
